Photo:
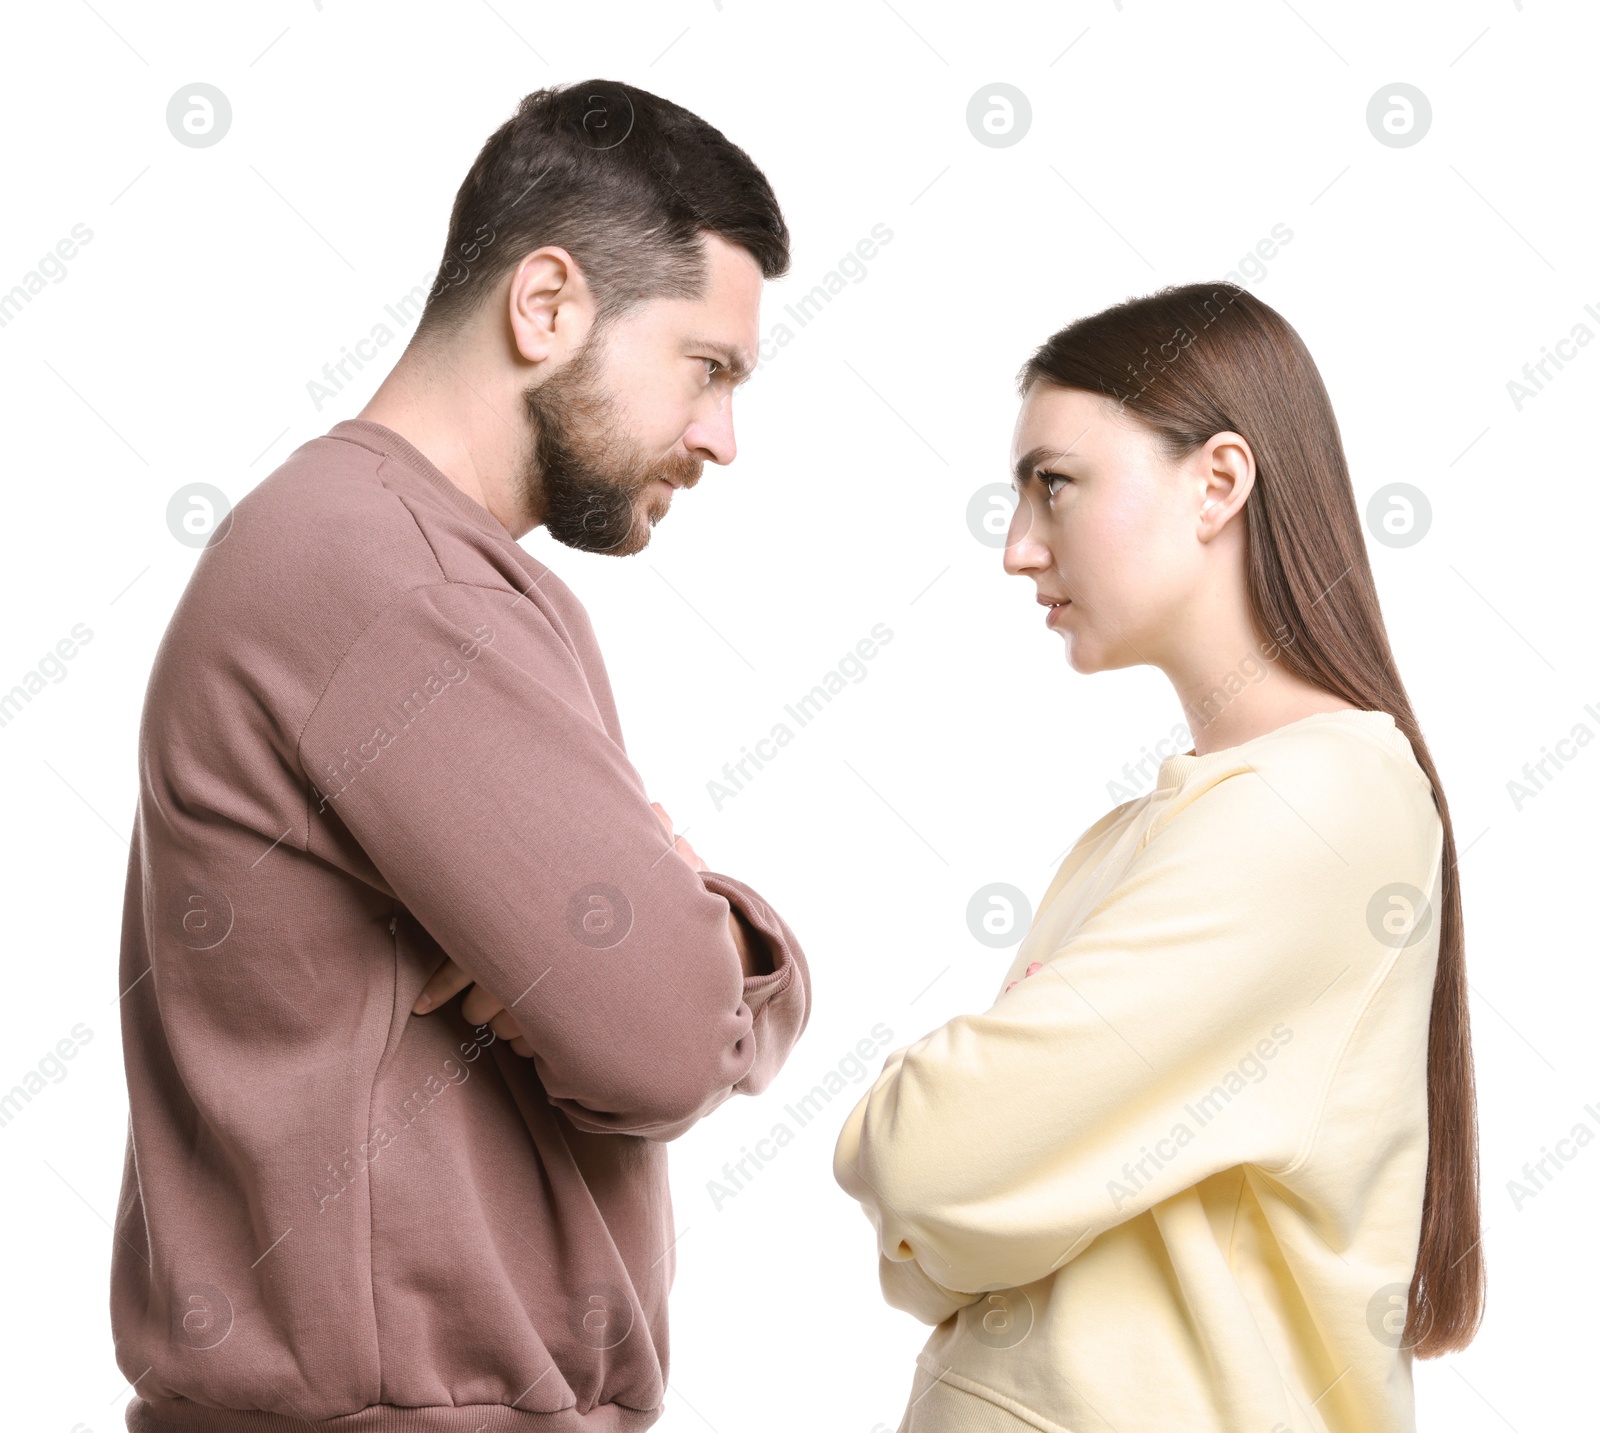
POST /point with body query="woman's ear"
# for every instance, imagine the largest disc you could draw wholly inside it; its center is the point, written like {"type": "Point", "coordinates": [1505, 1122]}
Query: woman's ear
{"type": "Point", "coordinates": [1227, 473]}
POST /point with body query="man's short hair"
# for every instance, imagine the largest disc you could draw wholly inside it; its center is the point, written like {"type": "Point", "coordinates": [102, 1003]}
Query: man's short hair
{"type": "Point", "coordinates": [625, 181]}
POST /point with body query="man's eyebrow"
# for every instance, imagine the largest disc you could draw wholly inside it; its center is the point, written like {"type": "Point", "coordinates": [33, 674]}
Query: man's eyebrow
{"type": "Point", "coordinates": [735, 360]}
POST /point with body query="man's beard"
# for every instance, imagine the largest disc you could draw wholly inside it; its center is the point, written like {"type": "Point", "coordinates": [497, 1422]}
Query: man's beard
{"type": "Point", "coordinates": [586, 470]}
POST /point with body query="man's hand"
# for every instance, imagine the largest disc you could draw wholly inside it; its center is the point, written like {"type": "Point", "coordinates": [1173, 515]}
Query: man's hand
{"type": "Point", "coordinates": [682, 847]}
{"type": "Point", "coordinates": [754, 956]}
{"type": "Point", "coordinates": [483, 1007]}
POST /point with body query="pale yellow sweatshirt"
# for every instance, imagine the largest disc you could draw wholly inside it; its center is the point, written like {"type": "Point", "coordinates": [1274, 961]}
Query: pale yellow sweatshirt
{"type": "Point", "coordinates": [1172, 1179]}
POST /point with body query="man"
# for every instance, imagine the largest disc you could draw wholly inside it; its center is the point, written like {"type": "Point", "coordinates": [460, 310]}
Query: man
{"type": "Point", "coordinates": [380, 755]}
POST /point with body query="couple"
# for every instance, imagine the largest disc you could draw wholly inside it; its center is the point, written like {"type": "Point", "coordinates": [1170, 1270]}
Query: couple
{"type": "Point", "coordinates": [1207, 1162]}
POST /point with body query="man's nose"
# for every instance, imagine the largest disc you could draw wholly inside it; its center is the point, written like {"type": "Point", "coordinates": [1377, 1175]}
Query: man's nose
{"type": "Point", "coordinates": [712, 435]}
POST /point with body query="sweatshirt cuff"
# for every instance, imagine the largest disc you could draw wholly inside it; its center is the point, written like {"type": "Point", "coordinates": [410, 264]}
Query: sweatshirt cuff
{"type": "Point", "coordinates": [779, 1000]}
{"type": "Point", "coordinates": [787, 961]}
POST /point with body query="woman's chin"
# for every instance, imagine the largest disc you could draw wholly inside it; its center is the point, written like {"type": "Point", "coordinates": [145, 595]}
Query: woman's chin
{"type": "Point", "coordinates": [1086, 659]}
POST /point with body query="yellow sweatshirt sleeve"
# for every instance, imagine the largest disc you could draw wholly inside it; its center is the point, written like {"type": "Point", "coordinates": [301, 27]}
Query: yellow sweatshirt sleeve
{"type": "Point", "coordinates": [907, 1287]}
{"type": "Point", "coordinates": [1190, 1024]}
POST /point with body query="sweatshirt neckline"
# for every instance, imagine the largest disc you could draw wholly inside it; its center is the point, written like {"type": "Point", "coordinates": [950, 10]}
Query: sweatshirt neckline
{"type": "Point", "coordinates": [1175, 771]}
{"type": "Point", "coordinates": [376, 437]}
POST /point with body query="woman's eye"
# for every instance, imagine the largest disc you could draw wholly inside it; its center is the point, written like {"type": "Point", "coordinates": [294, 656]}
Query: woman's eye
{"type": "Point", "coordinates": [1049, 478]}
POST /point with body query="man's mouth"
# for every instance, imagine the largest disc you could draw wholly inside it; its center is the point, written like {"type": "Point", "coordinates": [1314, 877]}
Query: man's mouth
{"type": "Point", "coordinates": [679, 482]}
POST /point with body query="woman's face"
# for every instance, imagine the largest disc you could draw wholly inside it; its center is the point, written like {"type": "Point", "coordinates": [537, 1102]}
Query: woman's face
{"type": "Point", "coordinates": [1108, 525]}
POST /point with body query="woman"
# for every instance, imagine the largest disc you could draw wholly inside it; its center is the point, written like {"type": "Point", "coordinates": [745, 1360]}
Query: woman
{"type": "Point", "coordinates": [1209, 1161]}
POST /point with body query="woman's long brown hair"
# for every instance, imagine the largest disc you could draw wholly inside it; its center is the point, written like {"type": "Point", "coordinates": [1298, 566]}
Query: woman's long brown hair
{"type": "Point", "coordinates": [1192, 361]}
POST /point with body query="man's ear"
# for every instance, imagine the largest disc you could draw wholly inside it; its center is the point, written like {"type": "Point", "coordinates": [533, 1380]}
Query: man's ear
{"type": "Point", "coordinates": [550, 305]}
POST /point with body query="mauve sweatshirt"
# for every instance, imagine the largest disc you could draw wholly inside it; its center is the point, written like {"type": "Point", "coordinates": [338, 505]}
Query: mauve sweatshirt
{"type": "Point", "coordinates": [378, 732]}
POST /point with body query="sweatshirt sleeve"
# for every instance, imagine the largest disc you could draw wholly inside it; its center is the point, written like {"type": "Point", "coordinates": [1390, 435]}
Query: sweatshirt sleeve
{"type": "Point", "coordinates": [907, 1287]}
{"type": "Point", "coordinates": [1184, 1028]}
{"type": "Point", "coordinates": [458, 744]}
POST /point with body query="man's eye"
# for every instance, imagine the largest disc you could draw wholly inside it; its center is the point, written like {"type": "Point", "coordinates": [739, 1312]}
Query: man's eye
{"type": "Point", "coordinates": [712, 367]}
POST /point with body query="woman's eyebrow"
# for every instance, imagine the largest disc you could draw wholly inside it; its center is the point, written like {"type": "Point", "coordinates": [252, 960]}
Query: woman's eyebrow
{"type": "Point", "coordinates": [1034, 456]}
{"type": "Point", "coordinates": [1029, 461]}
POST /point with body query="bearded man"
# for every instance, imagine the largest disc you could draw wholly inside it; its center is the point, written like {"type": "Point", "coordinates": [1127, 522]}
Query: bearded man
{"type": "Point", "coordinates": [380, 762]}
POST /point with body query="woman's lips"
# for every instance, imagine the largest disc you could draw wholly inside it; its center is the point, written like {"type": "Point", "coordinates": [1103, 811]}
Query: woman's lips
{"type": "Point", "coordinates": [1051, 613]}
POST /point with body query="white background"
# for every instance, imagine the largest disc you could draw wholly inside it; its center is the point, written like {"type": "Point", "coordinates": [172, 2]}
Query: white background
{"type": "Point", "coordinates": [1166, 140]}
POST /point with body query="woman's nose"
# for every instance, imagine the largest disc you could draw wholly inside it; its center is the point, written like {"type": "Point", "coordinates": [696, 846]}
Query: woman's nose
{"type": "Point", "coordinates": [1024, 551]}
